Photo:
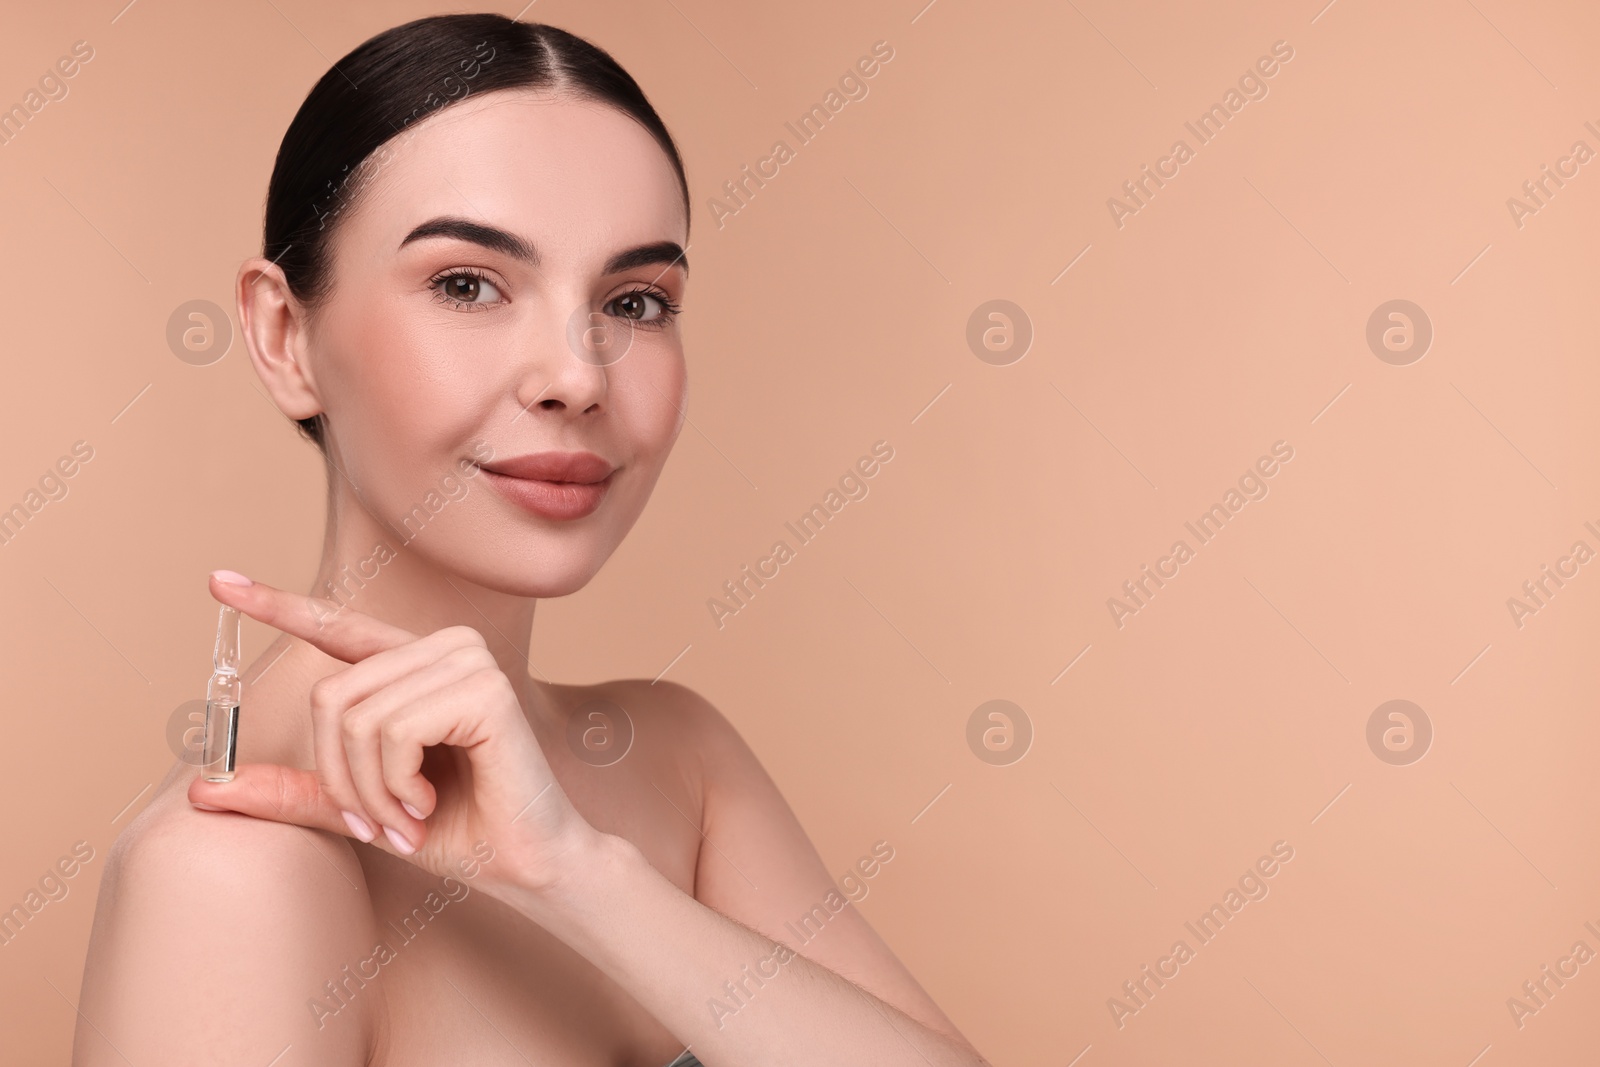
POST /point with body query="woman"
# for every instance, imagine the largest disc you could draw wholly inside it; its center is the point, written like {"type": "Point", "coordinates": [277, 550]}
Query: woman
{"type": "Point", "coordinates": [467, 297]}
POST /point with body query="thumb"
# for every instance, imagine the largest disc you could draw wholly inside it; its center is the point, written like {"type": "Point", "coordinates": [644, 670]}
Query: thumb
{"type": "Point", "coordinates": [270, 791]}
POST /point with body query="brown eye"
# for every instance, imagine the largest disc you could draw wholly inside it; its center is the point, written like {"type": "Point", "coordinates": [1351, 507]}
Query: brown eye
{"type": "Point", "coordinates": [461, 287]}
{"type": "Point", "coordinates": [637, 306]}
{"type": "Point", "coordinates": [465, 288]}
{"type": "Point", "coordinates": [632, 306]}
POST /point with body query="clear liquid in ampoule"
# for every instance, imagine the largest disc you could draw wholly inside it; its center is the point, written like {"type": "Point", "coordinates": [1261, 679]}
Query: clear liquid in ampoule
{"type": "Point", "coordinates": [222, 701]}
{"type": "Point", "coordinates": [222, 734]}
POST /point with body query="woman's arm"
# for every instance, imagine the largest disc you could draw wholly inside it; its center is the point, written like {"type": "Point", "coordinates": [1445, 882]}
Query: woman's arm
{"type": "Point", "coordinates": [729, 986]}
{"type": "Point", "coordinates": [405, 694]}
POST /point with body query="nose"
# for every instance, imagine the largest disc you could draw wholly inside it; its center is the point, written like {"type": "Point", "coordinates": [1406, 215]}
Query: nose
{"type": "Point", "coordinates": [569, 372]}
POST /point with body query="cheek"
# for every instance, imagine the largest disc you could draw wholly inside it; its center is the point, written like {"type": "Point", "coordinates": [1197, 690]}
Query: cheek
{"type": "Point", "coordinates": [402, 384]}
{"type": "Point", "coordinates": [399, 405]}
{"type": "Point", "coordinates": [650, 388]}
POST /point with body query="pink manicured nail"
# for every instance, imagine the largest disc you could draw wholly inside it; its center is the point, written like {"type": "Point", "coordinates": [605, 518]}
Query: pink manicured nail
{"type": "Point", "coordinates": [413, 812]}
{"type": "Point", "coordinates": [405, 848]}
{"type": "Point", "coordinates": [231, 578]}
{"type": "Point", "coordinates": [357, 825]}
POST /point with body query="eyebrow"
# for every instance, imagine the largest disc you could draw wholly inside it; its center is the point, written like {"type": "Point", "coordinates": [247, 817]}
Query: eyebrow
{"type": "Point", "coordinates": [503, 241]}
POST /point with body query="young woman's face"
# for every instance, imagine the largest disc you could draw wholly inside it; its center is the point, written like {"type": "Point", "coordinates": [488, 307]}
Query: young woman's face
{"type": "Point", "coordinates": [504, 287]}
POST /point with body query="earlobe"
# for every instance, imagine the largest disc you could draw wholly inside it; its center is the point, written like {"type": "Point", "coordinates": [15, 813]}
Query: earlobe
{"type": "Point", "coordinates": [274, 327]}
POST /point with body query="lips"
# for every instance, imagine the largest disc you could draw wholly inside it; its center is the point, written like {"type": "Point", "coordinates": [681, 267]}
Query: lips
{"type": "Point", "coordinates": [555, 485]}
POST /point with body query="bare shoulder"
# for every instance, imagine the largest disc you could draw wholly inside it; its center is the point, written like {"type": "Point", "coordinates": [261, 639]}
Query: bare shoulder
{"type": "Point", "coordinates": [670, 705]}
{"type": "Point", "coordinates": [215, 936]}
{"type": "Point", "coordinates": [687, 727]}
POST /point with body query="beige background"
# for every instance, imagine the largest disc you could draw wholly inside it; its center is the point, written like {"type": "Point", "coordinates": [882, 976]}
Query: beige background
{"type": "Point", "coordinates": [1224, 316]}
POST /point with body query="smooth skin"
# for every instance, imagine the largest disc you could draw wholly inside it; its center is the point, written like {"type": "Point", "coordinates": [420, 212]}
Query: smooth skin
{"type": "Point", "coordinates": [530, 905]}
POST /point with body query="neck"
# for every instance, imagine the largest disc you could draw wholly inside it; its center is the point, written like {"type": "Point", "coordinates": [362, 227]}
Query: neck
{"type": "Point", "coordinates": [390, 575]}
{"type": "Point", "coordinates": [387, 578]}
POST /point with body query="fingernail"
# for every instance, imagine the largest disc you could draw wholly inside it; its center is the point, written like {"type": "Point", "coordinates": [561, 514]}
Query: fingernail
{"type": "Point", "coordinates": [398, 842]}
{"type": "Point", "coordinates": [413, 812]}
{"type": "Point", "coordinates": [231, 578]}
{"type": "Point", "coordinates": [357, 825]}
{"type": "Point", "coordinates": [206, 807]}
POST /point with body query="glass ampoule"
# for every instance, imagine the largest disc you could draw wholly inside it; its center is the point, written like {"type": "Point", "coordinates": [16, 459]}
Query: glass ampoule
{"type": "Point", "coordinates": [222, 701]}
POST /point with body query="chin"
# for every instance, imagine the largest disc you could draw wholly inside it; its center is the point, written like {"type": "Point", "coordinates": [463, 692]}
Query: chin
{"type": "Point", "coordinates": [543, 575]}
{"type": "Point", "coordinates": [544, 586]}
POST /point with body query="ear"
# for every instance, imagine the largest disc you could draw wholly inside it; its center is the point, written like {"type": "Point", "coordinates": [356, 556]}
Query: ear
{"type": "Point", "coordinates": [274, 326]}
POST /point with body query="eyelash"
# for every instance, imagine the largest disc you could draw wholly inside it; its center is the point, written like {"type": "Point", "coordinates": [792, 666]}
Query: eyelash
{"type": "Point", "coordinates": [458, 272]}
{"type": "Point", "coordinates": [669, 309]}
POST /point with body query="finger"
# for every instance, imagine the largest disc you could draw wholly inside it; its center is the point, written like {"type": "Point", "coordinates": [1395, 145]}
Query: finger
{"type": "Point", "coordinates": [360, 681]}
{"type": "Point", "coordinates": [337, 629]}
{"type": "Point", "coordinates": [274, 792]}
{"type": "Point", "coordinates": [278, 794]}
{"type": "Point", "coordinates": [453, 714]}
{"type": "Point", "coordinates": [334, 696]}
{"type": "Point", "coordinates": [367, 726]}
{"type": "Point", "coordinates": [333, 767]}
{"type": "Point", "coordinates": [508, 768]}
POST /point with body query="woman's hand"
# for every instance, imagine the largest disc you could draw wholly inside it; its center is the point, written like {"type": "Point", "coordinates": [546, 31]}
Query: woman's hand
{"type": "Point", "coordinates": [371, 724]}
